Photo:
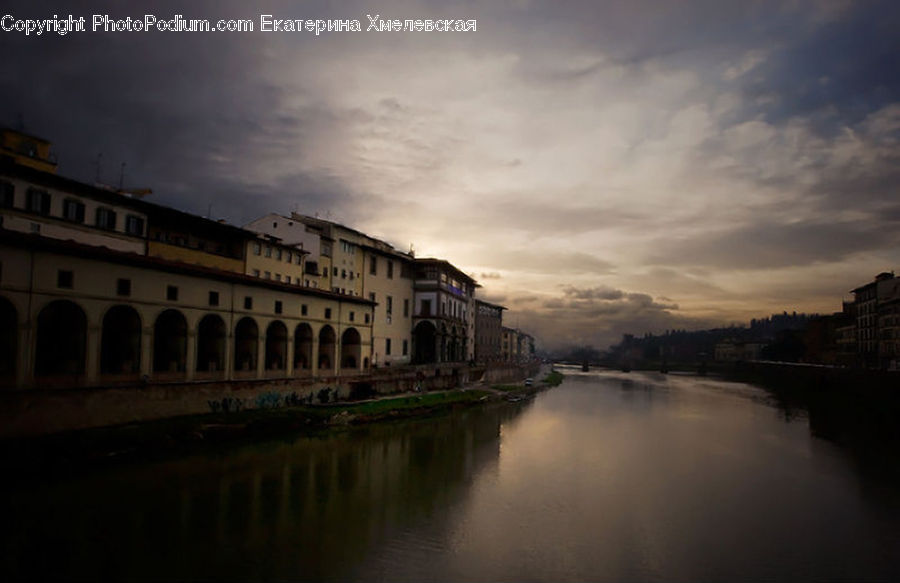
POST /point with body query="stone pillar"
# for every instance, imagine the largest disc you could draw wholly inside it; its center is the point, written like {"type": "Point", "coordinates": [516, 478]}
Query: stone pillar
{"type": "Point", "coordinates": [92, 351]}
{"type": "Point", "coordinates": [190, 363]}
{"type": "Point", "coordinates": [314, 357]}
{"type": "Point", "coordinates": [289, 356]}
{"type": "Point", "coordinates": [229, 355]}
{"type": "Point", "coordinates": [24, 357]}
{"type": "Point", "coordinates": [261, 356]}
{"type": "Point", "coordinates": [147, 351]}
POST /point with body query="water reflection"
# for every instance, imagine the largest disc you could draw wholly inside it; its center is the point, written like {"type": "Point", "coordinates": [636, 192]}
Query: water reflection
{"type": "Point", "coordinates": [311, 508]}
{"type": "Point", "coordinates": [610, 476]}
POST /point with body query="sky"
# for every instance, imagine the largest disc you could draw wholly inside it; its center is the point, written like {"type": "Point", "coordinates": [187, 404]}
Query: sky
{"type": "Point", "coordinates": [599, 167]}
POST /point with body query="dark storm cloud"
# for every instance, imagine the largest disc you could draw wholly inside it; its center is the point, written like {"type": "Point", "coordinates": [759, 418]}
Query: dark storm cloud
{"type": "Point", "coordinates": [769, 245]}
{"type": "Point", "coordinates": [191, 116]}
{"type": "Point", "coordinates": [849, 64]}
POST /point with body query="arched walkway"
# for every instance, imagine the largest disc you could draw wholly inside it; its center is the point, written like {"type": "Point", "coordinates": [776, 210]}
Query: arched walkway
{"type": "Point", "coordinates": [424, 343]}
{"type": "Point", "coordinates": [120, 344]}
{"type": "Point", "coordinates": [211, 344]}
{"type": "Point", "coordinates": [9, 329]}
{"type": "Point", "coordinates": [61, 342]}
{"type": "Point", "coordinates": [170, 342]}
{"type": "Point", "coordinates": [326, 348]}
{"type": "Point", "coordinates": [276, 346]}
{"type": "Point", "coordinates": [351, 348]}
{"type": "Point", "coordinates": [303, 346]}
{"type": "Point", "coordinates": [246, 344]}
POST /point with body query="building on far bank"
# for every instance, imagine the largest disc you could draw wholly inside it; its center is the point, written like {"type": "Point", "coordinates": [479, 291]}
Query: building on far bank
{"type": "Point", "coordinates": [488, 331]}
{"type": "Point", "coordinates": [866, 305]}
{"type": "Point", "coordinates": [889, 324]}
{"type": "Point", "coordinates": [444, 313]}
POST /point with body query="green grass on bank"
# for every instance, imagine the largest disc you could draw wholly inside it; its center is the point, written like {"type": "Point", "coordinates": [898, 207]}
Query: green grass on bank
{"type": "Point", "coordinates": [423, 401]}
{"type": "Point", "coordinates": [553, 379]}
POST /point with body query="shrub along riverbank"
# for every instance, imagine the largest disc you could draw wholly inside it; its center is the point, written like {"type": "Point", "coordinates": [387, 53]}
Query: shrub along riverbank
{"type": "Point", "coordinates": [73, 451]}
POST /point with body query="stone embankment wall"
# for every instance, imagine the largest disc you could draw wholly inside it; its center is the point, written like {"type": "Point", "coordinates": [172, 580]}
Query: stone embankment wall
{"type": "Point", "coordinates": [37, 412]}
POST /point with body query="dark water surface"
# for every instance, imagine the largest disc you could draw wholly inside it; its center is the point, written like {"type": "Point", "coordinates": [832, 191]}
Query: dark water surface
{"type": "Point", "coordinates": [609, 476]}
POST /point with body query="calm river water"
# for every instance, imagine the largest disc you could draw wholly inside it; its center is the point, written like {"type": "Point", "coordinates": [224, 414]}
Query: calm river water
{"type": "Point", "coordinates": [610, 476]}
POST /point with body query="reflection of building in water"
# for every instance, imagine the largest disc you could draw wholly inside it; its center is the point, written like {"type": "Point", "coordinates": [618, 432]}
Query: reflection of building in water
{"type": "Point", "coordinates": [282, 510]}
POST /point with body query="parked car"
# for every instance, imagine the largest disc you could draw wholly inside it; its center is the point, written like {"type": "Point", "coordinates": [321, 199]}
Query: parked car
{"type": "Point", "coordinates": [529, 381]}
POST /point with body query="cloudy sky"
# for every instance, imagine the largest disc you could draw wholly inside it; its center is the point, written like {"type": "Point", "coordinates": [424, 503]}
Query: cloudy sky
{"type": "Point", "coordinates": [600, 167]}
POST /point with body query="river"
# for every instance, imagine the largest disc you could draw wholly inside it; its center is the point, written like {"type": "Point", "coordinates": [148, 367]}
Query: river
{"type": "Point", "coordinates": [608, 477]}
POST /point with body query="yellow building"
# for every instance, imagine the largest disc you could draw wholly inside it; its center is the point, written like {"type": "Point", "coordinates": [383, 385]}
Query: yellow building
{"type": "Point", "coordinates": [27, 150]}
{"type": "Point", "coordinates": [77, 315]}
{"type": "Point", "coordinates": [48, 205]}
{"type": "Point", "coordinates": [269, 258]}
{"type": "Point", "coordinates": [354, 264]}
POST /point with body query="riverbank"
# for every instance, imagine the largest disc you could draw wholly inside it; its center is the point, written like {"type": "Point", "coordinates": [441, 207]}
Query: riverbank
{"type": "Point", "coordinates": [77, 450]}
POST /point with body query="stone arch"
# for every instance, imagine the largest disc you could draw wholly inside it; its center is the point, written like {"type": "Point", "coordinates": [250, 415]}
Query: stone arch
{"type": "Point", "coordinates": [351, 348]}
{"type": "Point", "coordinates": [61, 343]}
{"type": "Point", "coordinates": [211, 340]}
{"type": "Point", "coordinates": [424, 335]}
{"type": "Point", "coordinates": [170, 342]}
{"type": "Point", "coordinates": [246, 344]}
{"type": "Point", "coordinates": [303, 346]}
{"type": "Point", "coordinates": [327, 339]}
{"type": "Point", "coordinates": [120, 341]}
{"type": "Point", "coordinates": [276, 346]}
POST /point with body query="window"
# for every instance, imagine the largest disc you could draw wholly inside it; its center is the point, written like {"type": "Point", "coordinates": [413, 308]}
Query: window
{"type": "Point", "coordinates": [248, 303]}
{"type": "Point", "coordinates": [387, 346]}
{"type": "Point", "coordinates": [390, 305]}
{"type": "Point", "coordinates": [288, 257]}
{"type": "Point", "coordinates": [268, 251]}
{"type": "Point", "coordinates": [172, 293]}
{"type": "Point", "coordinates": [277, 277]}
{"type": "Point", "coordinates": [106, 219]}
{"type": "Point", "coordinates": [35, 228]}
{"type": "Point", "coordinates": [390, 270]}
{"type": "Point", "coordinates": [405, 347]}
{"type": "Point", "coordinates": [267, 274]}
{"type": "Point", "coordinates": [123, 287]}
{"type": "Point", "coordinates": [257, 249]}
{"type": "Point", "coordinates": [38, 201]}
{"type": "Point", "coordinates": [134, 225]}
{"type": "Point", "coordinates": [352, 316]}
{"type": "Point", "coordinates": [297, 258]}
{"type": "Point", "coordinates": [327, 313]}
{"type": "Point", "coordinates": [426, 307]}
{"type": "Point", "coordinates": [287, 279]}
{"type": "Point", "coordinates": [278, 306]}
{"type": "Point", "coordinates": [73, 210]}
{"type": "Point", "coordinates": [335, 271]}
{"type": "Point", "coordinates": [303, 309]}
{"type": "Point", "coordinates": [406, 308]}
{"type": "Point", "coordinates": [7, 194]}
{"type": "Point", "coordinates": [278, 254]}
{"type": "Point", "coordinates": [213, 298]}
{"type": "Point", "coordinates": [343, 274]}
{"type": "Point", "coordinates": [367, 318]}
{"type": "Point", "coordinates": [256, 273]}
{"type": "Point", "coordinates": [373, 266]}
{"type": "Point", "coordinates": [324, 272]}
{"type": "Point", "coordinates": [372, 296]}
{"type": "Point", "coordinates": [65, 279]}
